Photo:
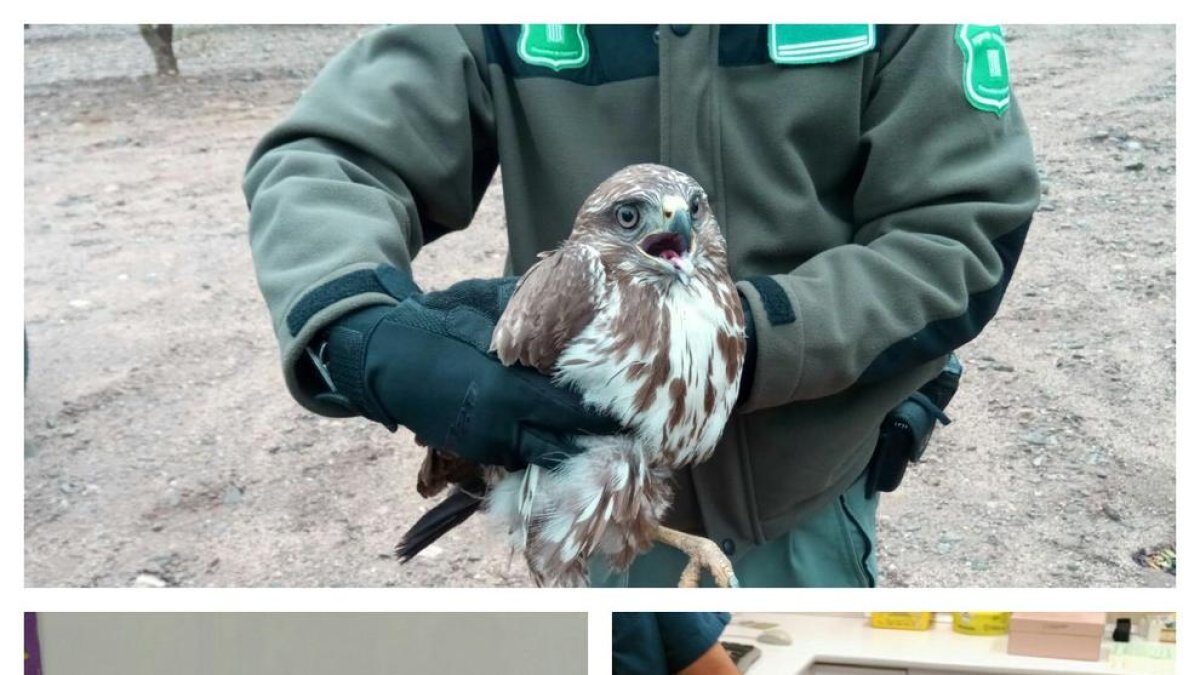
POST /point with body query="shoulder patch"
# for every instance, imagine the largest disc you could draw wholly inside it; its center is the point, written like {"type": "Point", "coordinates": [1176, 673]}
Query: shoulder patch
{"type": "Point", "coordinates": [985, 66]}
{"type": "Point", "coordinates": [801, 43]}
{"type": "Point", "coordinates": [554, 45]}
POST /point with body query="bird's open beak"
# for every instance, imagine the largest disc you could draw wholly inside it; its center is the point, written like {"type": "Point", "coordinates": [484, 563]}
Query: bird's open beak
{"type": "Point", "coordinates": [672, 241]}
{"type": "Point", "coordinates": [677, 218]}
{"type": "Point", "coordinates": [680, 223]}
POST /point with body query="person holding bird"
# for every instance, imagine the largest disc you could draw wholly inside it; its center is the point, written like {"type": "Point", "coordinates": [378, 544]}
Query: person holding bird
{"type": "Point", "coordinates": [872, 187]}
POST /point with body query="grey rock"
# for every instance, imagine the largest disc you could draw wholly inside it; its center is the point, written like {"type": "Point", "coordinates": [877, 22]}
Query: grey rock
{"type": "Point", "coordinates": [146, 580]}
{"type": "Point", "coordinates": [233, 495]}
{"type": "Point", "coordinates": [1037, 438]}
{"type": "Point", "coordinates": [1112, 512]}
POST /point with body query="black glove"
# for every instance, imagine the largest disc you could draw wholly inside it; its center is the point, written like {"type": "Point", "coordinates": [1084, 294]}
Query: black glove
{"type": "Point", "coordinates": [425, 364]}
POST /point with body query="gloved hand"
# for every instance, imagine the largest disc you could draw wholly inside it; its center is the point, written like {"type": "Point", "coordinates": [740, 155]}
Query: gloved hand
{"type": "Point", "coordinates": [425, 364]}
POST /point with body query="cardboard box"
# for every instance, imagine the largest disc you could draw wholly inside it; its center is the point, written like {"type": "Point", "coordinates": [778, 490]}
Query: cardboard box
{"type": "Point", "coordinates": [1064, 635]}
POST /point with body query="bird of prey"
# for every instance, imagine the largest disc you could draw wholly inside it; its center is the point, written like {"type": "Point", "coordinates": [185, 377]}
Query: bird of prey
{"type": "Point", "coordinates": [637, 312]}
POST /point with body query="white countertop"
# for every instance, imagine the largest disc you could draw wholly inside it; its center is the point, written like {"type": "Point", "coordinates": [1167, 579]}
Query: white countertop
{"type": "Point", "coordinates": [850, 641]}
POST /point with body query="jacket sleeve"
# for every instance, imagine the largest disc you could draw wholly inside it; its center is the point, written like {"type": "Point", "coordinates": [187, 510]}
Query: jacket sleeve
{"type": "Point", "coordinates": [940, 212]}
{"type": "Point", "coordinates": [391, 146]}
{"type": "Point", "coordinates": [687, 635]}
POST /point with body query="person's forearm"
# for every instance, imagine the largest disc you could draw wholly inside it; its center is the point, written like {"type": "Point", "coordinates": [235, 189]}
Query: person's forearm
{"type": "Point", "coordinates": [940, 213]}
{"type": "Point", "coordinates": [715, 661]}
{"type": "Point", "coordinates": [399, 119]}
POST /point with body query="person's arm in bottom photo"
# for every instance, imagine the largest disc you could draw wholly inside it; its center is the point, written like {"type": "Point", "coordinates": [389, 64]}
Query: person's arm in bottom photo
{"type": "Point", "coordinates": [715, 661]}
{"type": "Point", "coordinates": [665, 643]}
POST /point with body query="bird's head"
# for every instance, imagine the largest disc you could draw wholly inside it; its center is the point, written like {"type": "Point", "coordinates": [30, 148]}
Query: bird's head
{"type": "Point", "coordinates": [649, 221]}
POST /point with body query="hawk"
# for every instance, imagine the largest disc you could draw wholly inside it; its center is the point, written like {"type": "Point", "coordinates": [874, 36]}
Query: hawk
{"type": "Point", "coordinates": [637, 312]}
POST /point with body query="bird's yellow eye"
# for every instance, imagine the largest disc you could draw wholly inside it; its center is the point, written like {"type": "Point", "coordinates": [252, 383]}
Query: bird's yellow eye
{"type": "Point", "coordinates": [628, 216]}
{"type": "Point", "coordinates": [694, 205]}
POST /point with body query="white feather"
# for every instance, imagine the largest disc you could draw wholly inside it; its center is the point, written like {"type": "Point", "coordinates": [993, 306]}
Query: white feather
{"type": "Point", "coordinates": [529, 489]}
{"type": "Point", "coordinates": [588, 510]}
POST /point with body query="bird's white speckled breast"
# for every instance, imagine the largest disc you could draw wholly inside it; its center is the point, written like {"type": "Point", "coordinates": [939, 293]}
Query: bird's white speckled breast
{"type": "Point", "coordinates": [675, 389]}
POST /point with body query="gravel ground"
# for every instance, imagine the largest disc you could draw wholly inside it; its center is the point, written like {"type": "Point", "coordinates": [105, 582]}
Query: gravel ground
{"type": "Point", "coordinates": [162, 448]}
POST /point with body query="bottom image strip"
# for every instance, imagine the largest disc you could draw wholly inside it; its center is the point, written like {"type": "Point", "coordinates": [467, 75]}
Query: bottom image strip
{"type": "Point", "coordinates": [305, 643]}
{"type": "Point", "coordinates": [893, 643]}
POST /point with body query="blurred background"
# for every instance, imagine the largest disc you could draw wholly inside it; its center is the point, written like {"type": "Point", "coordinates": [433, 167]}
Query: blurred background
{"type": "Point", "coordinates": [313, 643]}
{"type": "Point", "coordinates": [952, 643]}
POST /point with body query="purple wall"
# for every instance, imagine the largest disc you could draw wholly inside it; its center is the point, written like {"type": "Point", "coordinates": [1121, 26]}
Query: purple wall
{"type": "Point", "coordinates": [33, 655]}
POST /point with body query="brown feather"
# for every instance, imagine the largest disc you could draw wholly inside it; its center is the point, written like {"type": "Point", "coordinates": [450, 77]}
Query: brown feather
{"type": "Point", "coordinates": [553, 302]}
{"type": "Point", "coordinates": [440, 470]}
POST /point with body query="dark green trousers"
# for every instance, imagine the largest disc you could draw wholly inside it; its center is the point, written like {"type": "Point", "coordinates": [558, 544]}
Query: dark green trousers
{"type": "Point", "coordinates": [834, 547]}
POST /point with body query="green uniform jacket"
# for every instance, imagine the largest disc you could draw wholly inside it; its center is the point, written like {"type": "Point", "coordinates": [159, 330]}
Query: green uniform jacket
{"type": "Point", "coordinates": [874, 216]}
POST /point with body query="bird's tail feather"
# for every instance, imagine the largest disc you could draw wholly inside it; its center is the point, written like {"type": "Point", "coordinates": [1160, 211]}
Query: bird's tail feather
{"type": "Point", "coordinates": [529, 489]}
{"type": "Point", "coordinates": [447, 515]}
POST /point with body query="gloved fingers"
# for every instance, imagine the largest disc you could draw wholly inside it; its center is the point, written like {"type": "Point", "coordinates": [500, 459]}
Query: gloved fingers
{"type": "Point", "coordinates": [553, 407]}
{"type": "Point", "coordinates": [582, 419]}
{"type": "Point", "coordinates": [565, 411]}
{"type": "Point", "coordinates": [546, 448]}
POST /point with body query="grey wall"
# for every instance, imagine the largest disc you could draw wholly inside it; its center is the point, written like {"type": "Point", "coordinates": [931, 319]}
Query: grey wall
{"type": "Point", "coordinates": [313, 644]}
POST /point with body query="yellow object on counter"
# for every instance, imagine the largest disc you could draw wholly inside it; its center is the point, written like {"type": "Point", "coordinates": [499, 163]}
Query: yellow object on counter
{"type": "Point", "coordinates": [981, 623]}
{"type": "Point", "coordinates": [902, 620]}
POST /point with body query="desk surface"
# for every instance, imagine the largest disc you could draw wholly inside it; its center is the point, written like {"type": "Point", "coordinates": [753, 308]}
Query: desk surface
{"type": "Point", "coordinates": [850, 641]}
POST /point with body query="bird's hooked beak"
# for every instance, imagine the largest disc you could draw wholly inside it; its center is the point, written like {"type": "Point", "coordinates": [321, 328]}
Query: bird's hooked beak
{"type": "Point", "coordinates": [678, 218]}
{"type": "Point", "coordinates": [672, 241]}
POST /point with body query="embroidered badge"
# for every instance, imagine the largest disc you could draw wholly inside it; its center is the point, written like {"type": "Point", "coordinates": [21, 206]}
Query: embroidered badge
{"type": "Point", "coordinates": [985, 67]}
{"type": "Point", "coordinates": [794, 44]}
{"type": "Point", "coordinates": [554, 45]}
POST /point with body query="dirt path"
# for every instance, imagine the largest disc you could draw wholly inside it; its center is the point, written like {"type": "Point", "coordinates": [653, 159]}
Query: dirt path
{"type": "Point", "coordinates": [162, 447]}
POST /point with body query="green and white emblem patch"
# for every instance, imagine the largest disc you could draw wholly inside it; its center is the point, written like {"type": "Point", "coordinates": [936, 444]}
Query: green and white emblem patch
{"type": "Point", "coordinates": [554, 45]}
{"type": "Point", "coordinates": [985, 67]}
{"type": "Point", "coordinates": [801, 43]}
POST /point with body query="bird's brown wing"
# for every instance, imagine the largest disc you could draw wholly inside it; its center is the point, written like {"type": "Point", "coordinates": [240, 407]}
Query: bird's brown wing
{"type": "Point", "coordinates": [555, 300]}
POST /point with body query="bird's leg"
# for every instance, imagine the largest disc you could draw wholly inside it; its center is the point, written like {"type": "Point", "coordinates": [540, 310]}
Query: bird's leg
{"type": "Point", "coordinates": [702, 554]}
